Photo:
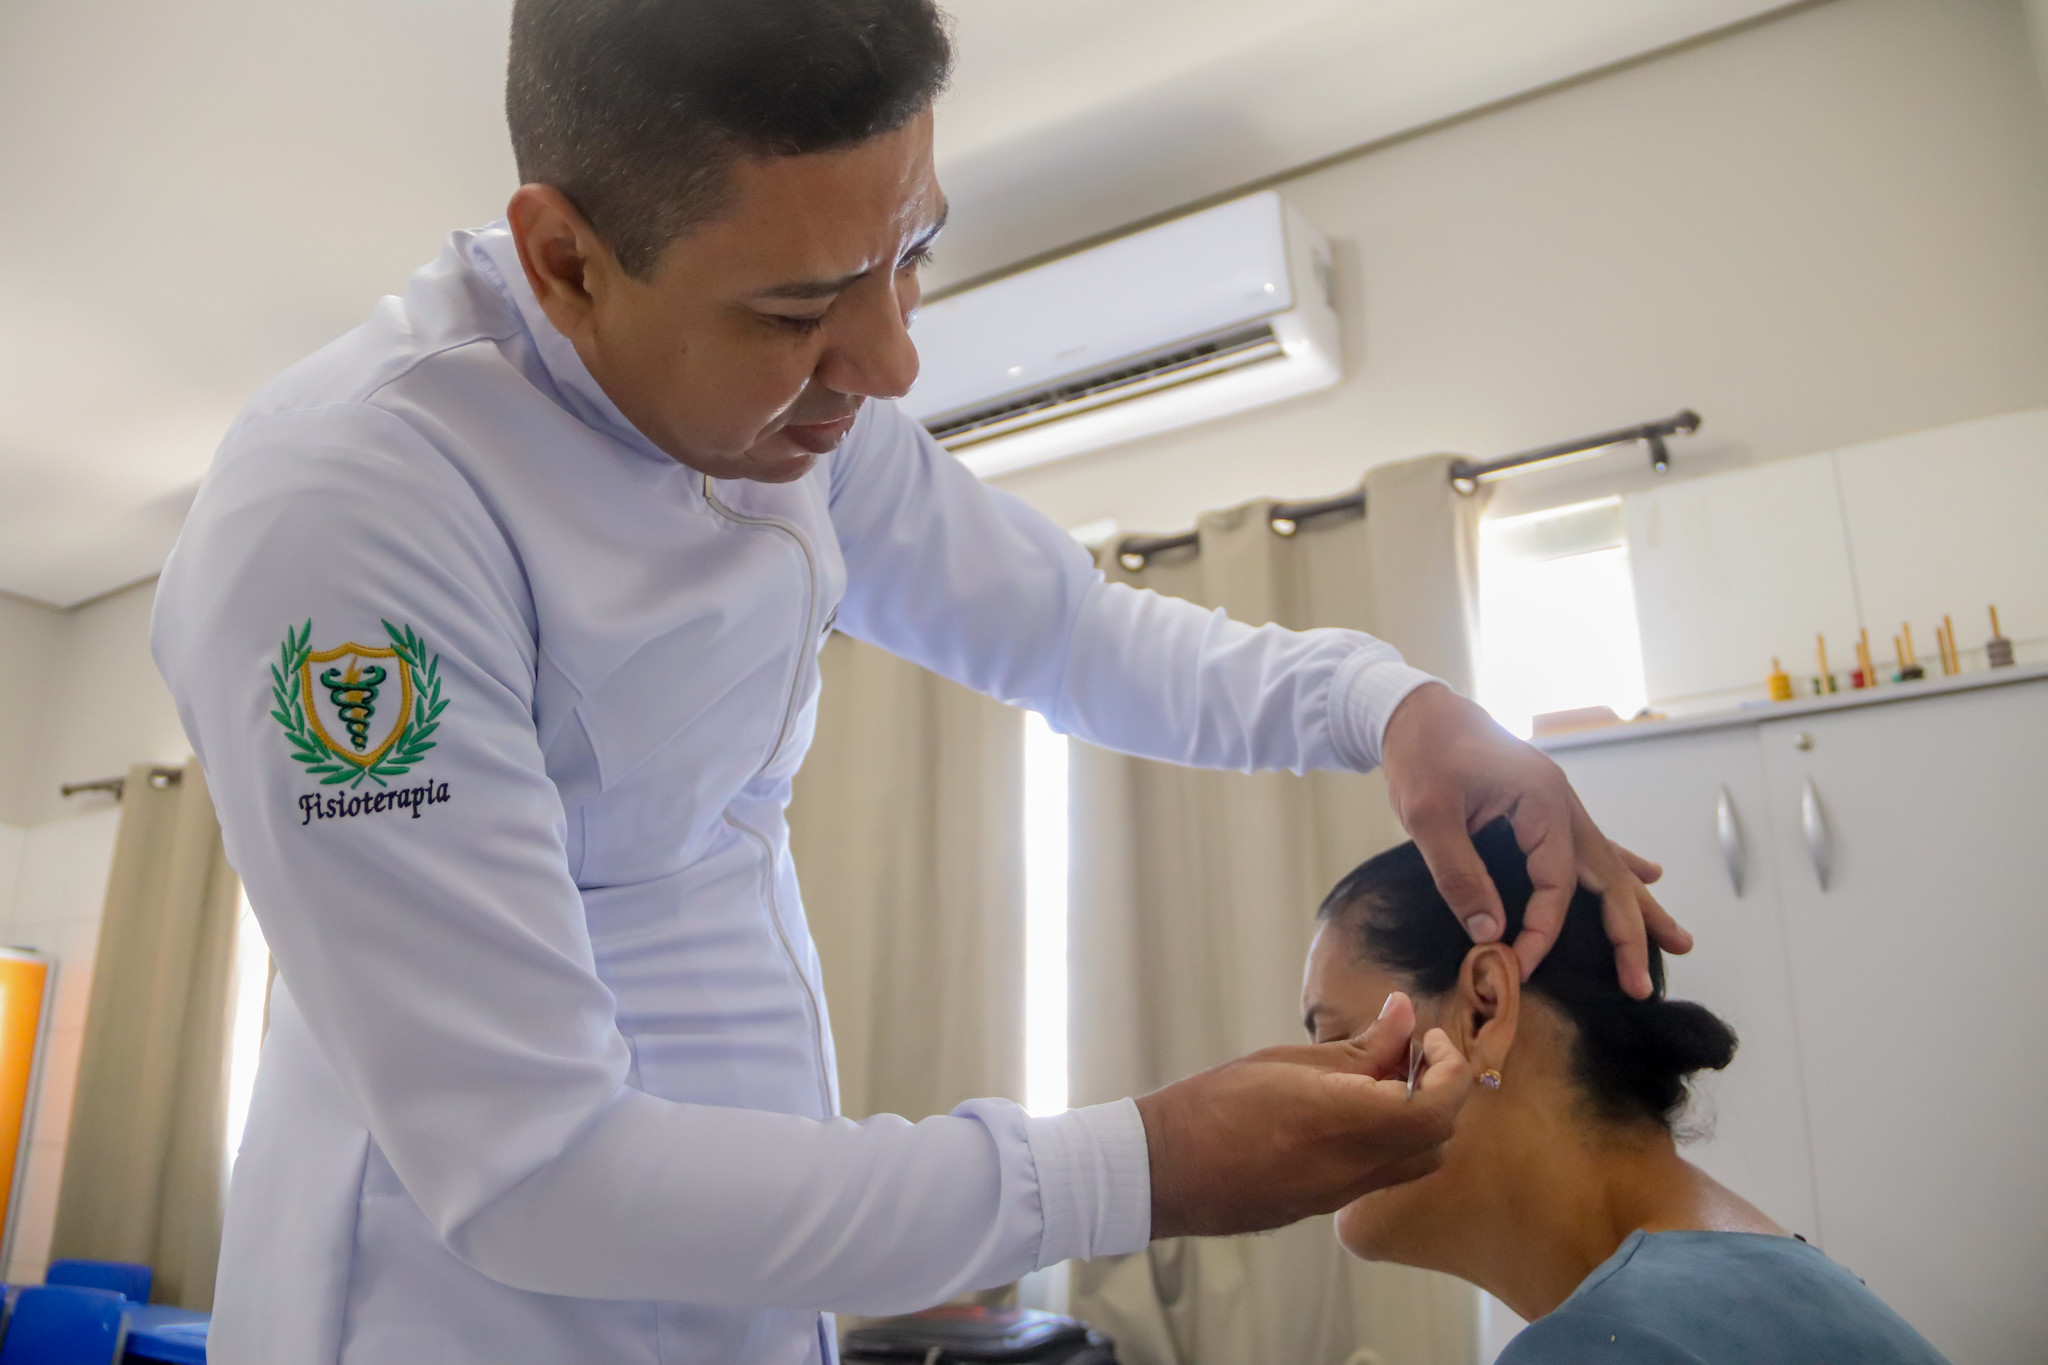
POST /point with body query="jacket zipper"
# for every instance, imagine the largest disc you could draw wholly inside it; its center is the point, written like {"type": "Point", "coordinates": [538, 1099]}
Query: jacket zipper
{"type": "Point", "coordinates": [796, 680]}
{"type": "Point", "coordinates": [789, 952]}
{"type": "Point", "coordinates": [811, 1001]}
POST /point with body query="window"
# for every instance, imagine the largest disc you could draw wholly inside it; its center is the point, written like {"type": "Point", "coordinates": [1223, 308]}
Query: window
{"type": "Point", "coordinates": [1557, 615]}
{"type": "Point", "coordinates": [249, 992]}
{"type": "Point", "coordinates": [1046, 832]}
{"type": "Point", "coordinates": [1045, 917]}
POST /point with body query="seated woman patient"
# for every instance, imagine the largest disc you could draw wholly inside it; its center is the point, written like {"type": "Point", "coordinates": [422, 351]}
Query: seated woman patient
{"type": "Point", "coordinates": [1562, 1192]}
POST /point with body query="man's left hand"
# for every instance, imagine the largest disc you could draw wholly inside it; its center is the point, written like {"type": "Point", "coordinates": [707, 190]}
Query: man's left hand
{"type": "Point", "coordinates": [1451, 770]}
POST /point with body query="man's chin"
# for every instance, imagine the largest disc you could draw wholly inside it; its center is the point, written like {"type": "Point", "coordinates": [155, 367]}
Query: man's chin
{"type": "Point", "coordinates": [757, 465]}
{"type": "Point", "coordinates": [777, 461]}
{"type": "Point", "coordinates": [769, 460]}
{"type": "Point", "coordinates": [785, 467]}
{"type": "Point", "coordinates": [782, 456]}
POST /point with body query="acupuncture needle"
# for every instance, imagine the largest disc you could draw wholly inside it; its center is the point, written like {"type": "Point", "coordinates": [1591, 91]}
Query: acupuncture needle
{"type": "Point", "coordinates": [1414, 1063]}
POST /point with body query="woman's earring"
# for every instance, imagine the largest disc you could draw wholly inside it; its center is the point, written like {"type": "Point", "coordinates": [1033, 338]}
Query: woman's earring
{"type": "Point", "coordinates": [1490, 1078]}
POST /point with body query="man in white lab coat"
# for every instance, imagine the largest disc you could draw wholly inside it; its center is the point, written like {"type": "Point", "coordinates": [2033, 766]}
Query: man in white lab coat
{"type": "Point", "coordinates": [496, 625]}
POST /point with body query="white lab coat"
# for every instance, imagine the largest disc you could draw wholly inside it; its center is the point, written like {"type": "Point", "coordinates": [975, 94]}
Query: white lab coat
{"type": "Point", "coordinates": [549, 1077]}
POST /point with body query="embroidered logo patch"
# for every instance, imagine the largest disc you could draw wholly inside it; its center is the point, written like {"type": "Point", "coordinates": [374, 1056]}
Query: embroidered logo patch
{"type": "Point", "coordinates": [357, 713]}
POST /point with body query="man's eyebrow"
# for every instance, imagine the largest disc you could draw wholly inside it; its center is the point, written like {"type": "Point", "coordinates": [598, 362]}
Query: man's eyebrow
{"type": "Point", "coordinates": [808, 289]}
{"type": "Point", "coordinates": [825, 289]}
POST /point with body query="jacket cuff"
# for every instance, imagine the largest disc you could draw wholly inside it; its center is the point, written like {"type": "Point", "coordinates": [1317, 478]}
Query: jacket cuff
{"type": "Point", "coordinates": [1363, 695]}
{"type": "Point", "coordinates": [1094, 1181]}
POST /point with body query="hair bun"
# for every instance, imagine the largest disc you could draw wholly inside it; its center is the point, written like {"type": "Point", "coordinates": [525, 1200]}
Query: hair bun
{"type": "Point", "coordinates": [1636, 1055]}
{"type": "Point", "coordinates": [1690, 1036]}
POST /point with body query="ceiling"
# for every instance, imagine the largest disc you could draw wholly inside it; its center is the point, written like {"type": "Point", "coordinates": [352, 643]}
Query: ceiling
{"type": "Point", "coordinates": [203, 192]}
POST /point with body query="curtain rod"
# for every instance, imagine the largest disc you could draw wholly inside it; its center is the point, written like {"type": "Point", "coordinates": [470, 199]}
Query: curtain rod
{"type": "Point", "coordinates": [159, 778]}
{"type": "Point", "coordinates": [1466, 475]}
{"type": "Point", "coordinates": [1284, 517]}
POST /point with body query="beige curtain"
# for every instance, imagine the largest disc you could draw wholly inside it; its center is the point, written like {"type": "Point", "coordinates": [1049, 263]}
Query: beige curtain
{"type": "Point", "coordinates": [1192, 897]}
{"type": "Point", "coordinates": [907, 833]}
{"type": "Point", "coordinates": [146, 1162]}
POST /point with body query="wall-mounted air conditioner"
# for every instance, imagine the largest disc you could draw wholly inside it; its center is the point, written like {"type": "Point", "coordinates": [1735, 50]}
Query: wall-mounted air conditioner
{"type": "Point", "coordinates": [1220, 311]}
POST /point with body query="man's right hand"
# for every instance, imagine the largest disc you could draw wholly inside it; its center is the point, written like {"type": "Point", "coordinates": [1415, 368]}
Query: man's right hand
{"type": "Point", "coordinates": [1290, 1132]}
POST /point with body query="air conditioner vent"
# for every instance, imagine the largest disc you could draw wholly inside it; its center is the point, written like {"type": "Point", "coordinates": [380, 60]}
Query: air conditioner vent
{"type": "Point", "coordinates": [1085, 393]}
{"type": "Point", "coordinates": [1216, 313]}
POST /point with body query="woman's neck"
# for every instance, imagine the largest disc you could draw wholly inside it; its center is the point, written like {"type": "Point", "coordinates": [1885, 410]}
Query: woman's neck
{"type": "Point", "coordinates": [1543, 1224]}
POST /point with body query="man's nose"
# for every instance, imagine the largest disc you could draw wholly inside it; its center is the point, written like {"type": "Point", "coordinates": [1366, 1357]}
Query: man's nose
{"type": "Point", "coordinates": [871, 353]}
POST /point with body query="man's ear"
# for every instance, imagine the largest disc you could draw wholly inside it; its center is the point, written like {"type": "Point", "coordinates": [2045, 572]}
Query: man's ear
{"type": "Point", "coordinates": [566, 264]}
{"type": "Point", "coordinates": [1486, 1008]}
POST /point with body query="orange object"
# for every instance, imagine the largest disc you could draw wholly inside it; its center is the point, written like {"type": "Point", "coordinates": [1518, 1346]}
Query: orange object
{"type": "Point", "coordinates": [24, 982]}
{"type": "Point", "coordinates": [1951, 662]}
{"type": "Point", "coordinates": [1866, 671]}
{"type": "Point", "coordinates": [1780, 682]}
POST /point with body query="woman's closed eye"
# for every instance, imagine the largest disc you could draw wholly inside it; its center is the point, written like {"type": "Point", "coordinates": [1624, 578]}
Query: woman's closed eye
{"type": "Point", "coordinates": [801, 323]}
{"type": "Point", "coordinates": [1323, 1026]}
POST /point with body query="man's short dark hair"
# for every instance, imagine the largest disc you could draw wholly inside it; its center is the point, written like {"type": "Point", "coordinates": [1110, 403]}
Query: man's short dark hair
{"type": "Point", "coordinates": [636, 109]}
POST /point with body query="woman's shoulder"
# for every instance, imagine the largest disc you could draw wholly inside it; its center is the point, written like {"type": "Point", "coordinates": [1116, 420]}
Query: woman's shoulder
{"type": "Point", "coordinates": [1717, 1297]}
{"type": "Point", "coordinates": [1571, 1336]}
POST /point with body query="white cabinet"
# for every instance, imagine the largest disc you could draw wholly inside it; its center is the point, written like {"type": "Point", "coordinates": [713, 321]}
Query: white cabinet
{"type": "Point", "coordinates": [1890, 1099]}
{"type": "Point", "coordinates": [1664, 799]}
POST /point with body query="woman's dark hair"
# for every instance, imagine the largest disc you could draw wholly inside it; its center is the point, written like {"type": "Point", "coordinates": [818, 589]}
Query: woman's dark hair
{"type": "Point", "coordinates": [1632, 1057]}
{"type": "Point", "coordinates": [636, 109]}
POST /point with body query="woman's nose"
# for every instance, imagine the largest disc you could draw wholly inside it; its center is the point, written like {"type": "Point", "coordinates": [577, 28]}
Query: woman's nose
{"type": "Point", "coordinates": [871, 353]}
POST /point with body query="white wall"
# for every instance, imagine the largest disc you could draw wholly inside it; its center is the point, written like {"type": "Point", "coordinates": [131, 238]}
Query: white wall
{"type": "Point", "coordinates": [28, 646]}
{"type": "Point", "coordinates": [1818, 231]}
{"type": "Point", "coordinates": [12, 838]}
{"type": "Point", "coordinates": [79, 699]}
{"type": "Point", "coordinates": [103, 705]}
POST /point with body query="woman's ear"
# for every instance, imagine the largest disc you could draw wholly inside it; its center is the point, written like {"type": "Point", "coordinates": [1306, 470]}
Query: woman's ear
{"type": "Point", "coordinates": [1487, 1007]}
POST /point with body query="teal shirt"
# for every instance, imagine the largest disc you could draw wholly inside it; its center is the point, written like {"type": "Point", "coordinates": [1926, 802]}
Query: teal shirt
{"type": "Point", "coordinates": [1720, 1298]}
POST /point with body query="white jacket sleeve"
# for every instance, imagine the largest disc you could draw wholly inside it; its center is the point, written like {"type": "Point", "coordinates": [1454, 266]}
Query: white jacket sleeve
{"type": "Point", "coordinates": [971, 583]}
{"type": "Point", "coordinates": [435, 942]}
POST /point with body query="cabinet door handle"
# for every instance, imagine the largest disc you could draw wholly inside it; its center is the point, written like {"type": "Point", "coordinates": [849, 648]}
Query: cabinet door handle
{"type": "Point", "coordinates": [1730, 830]}
{"type": "Point", "coordinates": [1820, 845]}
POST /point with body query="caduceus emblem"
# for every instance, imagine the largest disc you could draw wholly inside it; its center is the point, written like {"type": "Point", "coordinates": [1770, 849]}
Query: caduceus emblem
{"type": "Point", "coordinates": [341, 702]}
{"type": "Point", "coordinates": [354, 693]}
{"type": "Point", "coordinates": [343, 720]}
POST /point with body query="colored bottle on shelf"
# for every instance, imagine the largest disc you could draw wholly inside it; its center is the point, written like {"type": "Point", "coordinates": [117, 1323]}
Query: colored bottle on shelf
{"type": "Point", "coordinates": [1780, 682]}
{"type": "Point", "coordinates": [1909, 662]}
{"type": "Point", "coordinates": [1998, 649]}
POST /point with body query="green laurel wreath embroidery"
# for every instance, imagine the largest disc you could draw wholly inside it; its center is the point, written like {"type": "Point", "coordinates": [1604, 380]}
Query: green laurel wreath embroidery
{"type": "Point", "coordinates": [412, 743]}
